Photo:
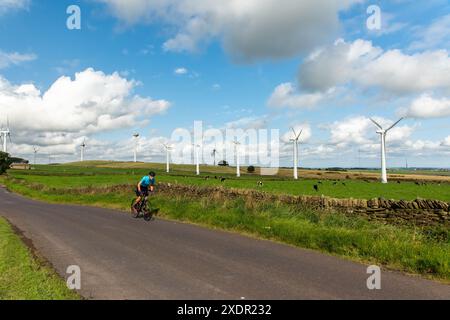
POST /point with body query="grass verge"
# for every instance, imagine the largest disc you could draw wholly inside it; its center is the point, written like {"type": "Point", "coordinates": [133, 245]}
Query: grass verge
{"type": "Point", "coordinates": [22, 276]}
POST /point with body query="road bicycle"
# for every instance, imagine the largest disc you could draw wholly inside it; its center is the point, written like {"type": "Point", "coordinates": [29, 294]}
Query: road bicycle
{"type": "Point", "coordinates": [142, 208]}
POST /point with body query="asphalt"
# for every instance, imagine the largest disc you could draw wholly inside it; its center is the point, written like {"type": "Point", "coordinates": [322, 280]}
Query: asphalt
{"type": "Point", "coordinates": [125, 258]}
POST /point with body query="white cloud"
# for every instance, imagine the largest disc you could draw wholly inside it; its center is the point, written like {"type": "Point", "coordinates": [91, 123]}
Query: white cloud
{"type": "Point", "coordinates": [364, 65]}
{"type": "Point", "coordinates": [92, 102]}
{"type": "Point", "coordinates": [14, 58]}
{"type": "Point", "coordinates": [446, 142]}
{"type": "Point", "coordinates": [180, 71]}
{"type": "Point", "coordinates": [304, 128]}
{"type": "Point", "coordinates": [360, 130]}
{"type": "Point", "coordinates": [286, 95]}
{"type": "Point", "coordinates": [433, 36]}
{"type": "Point", "coordinates": [248, 123]}
{"type": "Point", "coordinates": [7, 5]}
{"type": "Point", "coordinates": [249, 30]}
{"type": "Point", "coordinates": [428, 107]}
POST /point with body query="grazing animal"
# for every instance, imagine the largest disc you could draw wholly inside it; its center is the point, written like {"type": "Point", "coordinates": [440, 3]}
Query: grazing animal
{"type": "Point", "coordinates": [320, 182]}
{"type": "Point", "coordinates": [215, 177]}
{"type": "Point", "coordinates": [343, 183]}
{"type": "Point", "coordinates": [417, 183]}
{"type": "Point", "coordinates": [316, 187]}
{"type": "Point", "coordinates": [207, 178]}
{"type": "Point", "coordinates": [222, 179]}
{"type": "Point", "coordinates": [334, 183]}
{"type": "Point", "coordinates": [260, 184]}
{"type": "Point", "coordinates": [399, 182]}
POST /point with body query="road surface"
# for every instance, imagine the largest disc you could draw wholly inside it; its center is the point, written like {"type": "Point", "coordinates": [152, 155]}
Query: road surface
{"type": "Point", "coordinates": [125, 258]}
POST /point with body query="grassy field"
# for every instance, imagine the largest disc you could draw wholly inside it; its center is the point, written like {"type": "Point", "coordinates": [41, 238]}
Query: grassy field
{"type": "Point", "coordinates": [423, 251]}
{"type": "Point", "coordinates": [22, 277]}
{"type": "Point", "coordinates": [109, 174]}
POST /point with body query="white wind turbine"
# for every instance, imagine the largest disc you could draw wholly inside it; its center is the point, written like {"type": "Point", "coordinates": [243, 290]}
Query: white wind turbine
{"type": "Point", "coordinates": [35, 150]}
{"type": "Point", "coordinates": [5, 134]}
{"type": "Point", "coordinates": [82, 148]}
{"type": "Point", "coordinates": [136, 142]}
{"type": "Point", "coordinates": [238, 166]}
{"type": "Point", "coordinates": [197, 158]}
{"type": "Point", "coordinates": [382, 132]}
{"type": "Point", "coordinates": [295, 142]}
{"type": "Point", "coordinates": [213, 153]}
{"type": "Point", "coordinates": [168, 149]}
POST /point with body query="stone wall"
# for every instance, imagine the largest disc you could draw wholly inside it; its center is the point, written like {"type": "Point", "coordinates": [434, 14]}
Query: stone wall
{"type": "Point", "coordinates": [419, 212]}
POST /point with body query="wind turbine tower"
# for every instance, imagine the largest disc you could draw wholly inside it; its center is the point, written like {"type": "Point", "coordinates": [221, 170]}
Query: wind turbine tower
{"type": "Point", "coordinates": [295, 142]}
{"type": "Point", "coordinates": [35, 149]}
{"type": "Point", "coordinates": [5, 135]}
{"type": "Point", "coordinates": [214, 152]}
{"type": "Point", "coordinates": [82, 146]}
{"type": "Point", "coordinates": [238, 166]}
{"type": "Point", "coordinates": [382, 132]}
{"type": "Point", "coordinates": [136, 142]}
{"type": "Point", "coordinates": [197, 158]}
{"type": "Point", "coordinates": [168, 149]}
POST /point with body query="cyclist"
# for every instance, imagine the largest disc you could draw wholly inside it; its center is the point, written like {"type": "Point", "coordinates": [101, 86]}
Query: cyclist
{"type": "Point", "coordinates": [146, 184]}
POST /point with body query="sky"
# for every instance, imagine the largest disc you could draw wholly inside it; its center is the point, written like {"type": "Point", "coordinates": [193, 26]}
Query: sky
{"type": "Point", "coordinates": [154, 67]}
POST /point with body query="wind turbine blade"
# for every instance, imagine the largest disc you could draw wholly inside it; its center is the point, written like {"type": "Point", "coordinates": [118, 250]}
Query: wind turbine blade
{"type": "Point", "coordinates": [394, 124]}
{"type": "Point", "coordinates": [295, 134]}
{"type": "Point", "coordinates": [376, 123]}
{"type": "Point", "coordinates": [298, 137]}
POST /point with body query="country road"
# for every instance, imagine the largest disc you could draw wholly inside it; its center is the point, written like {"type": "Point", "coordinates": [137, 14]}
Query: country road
{"type": "Point", "coordinates": [125, 258]}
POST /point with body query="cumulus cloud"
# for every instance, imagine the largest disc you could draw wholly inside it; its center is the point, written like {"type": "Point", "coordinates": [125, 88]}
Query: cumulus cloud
{"type": "Point", "coordinates": [446, 142]}
{"type": "Point", "coordinates": [92, 102]}
{"type": "Point", "coordinates": [286, 95]}
{"type": "Point", "coordinates": [362, 64]}
{"type": "Point", "coordinates": [14, 58]}
{"type": "Point", "coordinates": [428, 107]}
{"type": "Point", "coordinates": [360, 130]}
{"type": "Point", "coordinates": [7, 5]}
{"type": "Point", "coordinates": [249, 30]}
{"type": "Point", "coordinates": [304, 128]}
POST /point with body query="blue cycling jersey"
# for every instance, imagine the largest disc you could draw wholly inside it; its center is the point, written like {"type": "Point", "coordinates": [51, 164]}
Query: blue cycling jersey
{"type": "Point", "coordinates": [147, 181]}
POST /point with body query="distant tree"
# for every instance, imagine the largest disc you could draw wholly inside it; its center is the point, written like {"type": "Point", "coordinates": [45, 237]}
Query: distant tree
{"type": "Point", "coordinates": [223, 163]}
{"type": "Point", "coordinates": [251, 169]}
{"type": "Point", "coordinates": [5, 162]}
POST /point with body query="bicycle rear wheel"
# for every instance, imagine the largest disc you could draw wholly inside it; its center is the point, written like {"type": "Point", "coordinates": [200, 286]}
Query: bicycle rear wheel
{"type": "Point", "coordinates": [147, 212]}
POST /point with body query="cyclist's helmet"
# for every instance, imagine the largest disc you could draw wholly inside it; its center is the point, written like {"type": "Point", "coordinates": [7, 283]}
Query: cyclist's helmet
{"type": "Point", "coordinates": [152, 174]}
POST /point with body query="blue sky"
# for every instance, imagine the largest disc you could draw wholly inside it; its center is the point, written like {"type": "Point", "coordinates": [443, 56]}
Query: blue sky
{"type": "Point", "coordinates": [265, 64]}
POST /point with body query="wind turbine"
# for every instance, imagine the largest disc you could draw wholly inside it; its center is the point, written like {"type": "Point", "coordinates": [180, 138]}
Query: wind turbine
{"type": "Point", "coordinates": [236, 148]}
{"type": "Point", "coordinates": [83, 146]}
{"type": "Point", "coordinates": [295, 142]}
{"type": "Point", "coordinates": [168, 149]}
{"type": "Point", "coordinates": [382, 132]}
{"type": "Point", "coordinates": [213, 153]}
{"type": "Point", "coordinates": [5, 134]}
{"type": "Point", "coordinates": [197, 158]}
{"type": "Point", "coordinates": [35, 149]}
{"type": "Point", "coordinates": [136, 142]}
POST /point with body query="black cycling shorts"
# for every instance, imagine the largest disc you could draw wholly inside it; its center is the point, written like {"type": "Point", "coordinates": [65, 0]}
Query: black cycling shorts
{"type": "Point", "coordinates": [144, 192]}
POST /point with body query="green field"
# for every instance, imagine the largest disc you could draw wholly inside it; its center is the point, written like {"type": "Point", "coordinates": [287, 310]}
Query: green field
{"type": "Point", "coordinates": [420, 250]}
{"type": "Point", "coordinates": [22, 277]}
{"type": "Point", "coordinates": [73, 176]}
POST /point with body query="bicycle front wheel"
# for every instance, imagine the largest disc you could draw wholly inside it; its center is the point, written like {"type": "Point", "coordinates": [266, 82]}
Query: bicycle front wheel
{"type": "Point", "coordinates": [134, 209]}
